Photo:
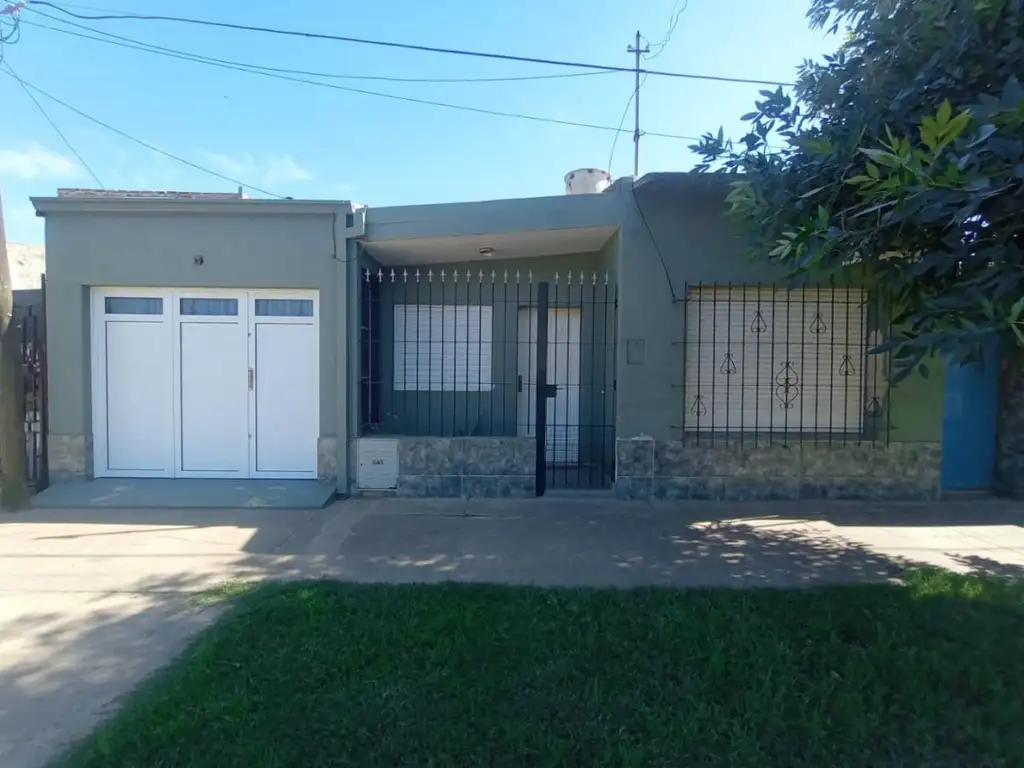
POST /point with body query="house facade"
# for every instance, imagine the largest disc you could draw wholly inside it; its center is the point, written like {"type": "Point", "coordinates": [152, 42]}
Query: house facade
{"type": "Point", "coordinates": [620, 341]}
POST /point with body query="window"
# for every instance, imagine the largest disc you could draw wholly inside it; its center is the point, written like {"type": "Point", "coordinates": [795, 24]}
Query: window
{"type": "Point", "coordinates": [767, 359]}
{"type": "Point", "coordinates": [442, 348]}
{"type": "Point", "coordinates": [216, 307]}
{"type": "Point", "coordinates": [284, 307]}
{"type": "Point", "coordinates": [132, 305]}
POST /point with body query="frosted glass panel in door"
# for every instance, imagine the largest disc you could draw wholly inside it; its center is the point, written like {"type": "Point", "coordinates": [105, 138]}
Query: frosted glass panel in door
{"type": "Point", "coordinates": [214, 437]}
{"type": "Point", "coordinates": [287, 397]}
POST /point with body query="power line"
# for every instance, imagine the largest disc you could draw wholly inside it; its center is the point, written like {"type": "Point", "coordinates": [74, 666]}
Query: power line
{"type": "Point", "coordinates": [392, 44]}
{"type": "Point", "coordinates": [10, 24]}
{"type": "Point", "coordinates": [240, 67]}
{"type": "Point", "coordinates": [645, 52]}
{"type": "Point", "coordinates": [622, 121]}
{"type": "Point", "coordinates": [140, 142]}
{"type": "Point", "coordinates": [283, 70]}
{"type": "Point", "coordinates": [674, 15]}
{"type": "Point", "coordinates": [53, 125]}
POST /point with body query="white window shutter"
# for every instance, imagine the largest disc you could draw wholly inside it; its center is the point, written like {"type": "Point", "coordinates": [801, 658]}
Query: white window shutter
{"type": "Point", "coordinates": [443, 348]}
{"type": "Point", "coordinates": [775, 360]}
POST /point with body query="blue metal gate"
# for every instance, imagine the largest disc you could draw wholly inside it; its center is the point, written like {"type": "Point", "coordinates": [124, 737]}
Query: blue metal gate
{"type": "Point", "coordinates": [969, 424]}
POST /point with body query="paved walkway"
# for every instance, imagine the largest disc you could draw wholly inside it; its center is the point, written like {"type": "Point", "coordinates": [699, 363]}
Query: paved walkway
{"type": "Point", "coordinates": [92, 601]}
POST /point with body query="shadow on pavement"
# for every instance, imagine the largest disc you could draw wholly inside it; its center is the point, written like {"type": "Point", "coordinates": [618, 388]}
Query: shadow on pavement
{"type": "Point", "coordinates": [80, 628]}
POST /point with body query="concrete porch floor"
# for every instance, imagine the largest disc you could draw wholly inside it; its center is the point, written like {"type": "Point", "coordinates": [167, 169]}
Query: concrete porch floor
{"type": "Point", "coordinates": [129, 493]}
{"type": "Point", "coordinates": [93, 600]}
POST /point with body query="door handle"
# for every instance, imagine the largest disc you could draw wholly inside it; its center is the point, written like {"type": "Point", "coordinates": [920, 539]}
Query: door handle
{"type": "Point", "coordinates": [519, 383]}
{"type": "Point", "coordinates": [252, 379]}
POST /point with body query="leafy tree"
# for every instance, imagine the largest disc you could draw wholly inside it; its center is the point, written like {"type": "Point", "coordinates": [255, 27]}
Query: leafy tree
{"type": "Point", "coordinates": [901, 156]}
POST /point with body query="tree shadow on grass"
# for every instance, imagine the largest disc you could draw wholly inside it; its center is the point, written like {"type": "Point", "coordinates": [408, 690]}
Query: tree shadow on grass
{"type": "Point", "coordinates": [986, 566]}
{"type": "Point", "coordinates": [485, 675]}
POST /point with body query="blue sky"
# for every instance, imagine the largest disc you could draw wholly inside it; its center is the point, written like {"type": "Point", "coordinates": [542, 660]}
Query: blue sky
{"type": "Point", "coordinates": [304, 141]}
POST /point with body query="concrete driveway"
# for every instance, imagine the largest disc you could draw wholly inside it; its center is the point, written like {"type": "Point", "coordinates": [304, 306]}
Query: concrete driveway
{"type": "Point", "coordinates": [93, 601]}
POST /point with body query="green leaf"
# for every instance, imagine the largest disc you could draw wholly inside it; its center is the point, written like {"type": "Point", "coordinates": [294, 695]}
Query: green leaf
{"type": "Point", "coordinates": [749, 116]}
{"type": "Point", "coordinates": [1017, 309]}
{"type": "Point", "coordinates": [872, 170]}
{"type": "Point", "coordinates": [944, 113]}
{"type": "Point", "coordinates": [813, 192]}
{"type": "Point", "coordinates": [882, 157]}
{"type": "Point", "coordinates": [1018, 332]}
{"type": "Point", "coordinates": [956, 127]}
{"type": "Point", "coordinates": [929, 133]}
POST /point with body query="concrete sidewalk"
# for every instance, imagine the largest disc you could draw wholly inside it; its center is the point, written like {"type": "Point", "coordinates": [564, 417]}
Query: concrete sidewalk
{"type": "Point", "coordinates": [94, 600]}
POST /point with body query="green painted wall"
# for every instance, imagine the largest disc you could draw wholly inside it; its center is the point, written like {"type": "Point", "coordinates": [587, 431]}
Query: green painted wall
{"type": "Point", "coordinates": [674, 234]}
{"type": "Point", "coordinates": [248, 244]}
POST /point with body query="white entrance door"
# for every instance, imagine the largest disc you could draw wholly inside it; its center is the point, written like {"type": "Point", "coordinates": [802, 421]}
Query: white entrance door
{"type": "Point", "coordinates": [211, 331]}
{"type": "Point", "coordinates": [562, 438]}
{"type": "Point", "coordinates": [205, 383]}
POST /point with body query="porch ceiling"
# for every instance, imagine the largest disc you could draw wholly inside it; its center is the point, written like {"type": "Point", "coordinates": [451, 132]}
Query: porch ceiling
{"type": "Point", "coordinates": [514, 245]}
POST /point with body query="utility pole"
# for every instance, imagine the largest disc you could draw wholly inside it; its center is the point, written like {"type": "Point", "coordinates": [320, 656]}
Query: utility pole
{"type": "Point", "coordinates": [637, 51]}
{"type": "Point", "coordinates": [13, 488]}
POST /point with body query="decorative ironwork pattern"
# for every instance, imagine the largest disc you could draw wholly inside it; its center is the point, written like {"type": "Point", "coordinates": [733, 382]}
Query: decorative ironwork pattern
{"type": "Point", "coordinates": [787, 385]}
{"type": "Point", "coordinates": [698, 408]}
{"type": "Point", "coordinates": [758, 325]}
{"type": "Point", "coordinates": [768, 362]}
{"type": "Point", "coordinates": [728, 367]}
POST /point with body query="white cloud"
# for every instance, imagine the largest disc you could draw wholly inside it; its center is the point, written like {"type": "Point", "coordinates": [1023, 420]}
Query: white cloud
{"type": "Point", "coordinates": [35, 162]}
{"type": "Point", "coordinates": [266, 170]}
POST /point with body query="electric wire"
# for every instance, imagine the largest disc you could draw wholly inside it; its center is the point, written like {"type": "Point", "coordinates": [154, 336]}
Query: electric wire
{"type": "Point", "coordinates": [307, 73]}
{"type": "Point", "coordinates": [662, 44]}
{"type": "Point", "coordinates": [622, 121]}
{"type": "Point", "coordinates": [58, 131]}
{"type": "Point", "coordinates": [6, 70]}
{"type": "Point", "coordinates": [397, 45]}
{"type": "Point", "coordinates": [239, 67]}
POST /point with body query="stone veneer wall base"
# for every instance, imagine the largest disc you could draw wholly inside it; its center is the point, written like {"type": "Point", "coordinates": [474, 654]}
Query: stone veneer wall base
{"type": "Point", "coordinates": [699, 470]}
{"type": "Point", "coordinates": [466, 467]}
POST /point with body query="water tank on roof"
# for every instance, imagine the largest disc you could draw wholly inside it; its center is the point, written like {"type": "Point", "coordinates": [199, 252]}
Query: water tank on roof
{"type": "Point", "coordinates": [587, 181]}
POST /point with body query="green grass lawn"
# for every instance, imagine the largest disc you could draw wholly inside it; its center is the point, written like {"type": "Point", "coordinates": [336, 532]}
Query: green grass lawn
{"type": "Point", "coordinates": [326, 674]}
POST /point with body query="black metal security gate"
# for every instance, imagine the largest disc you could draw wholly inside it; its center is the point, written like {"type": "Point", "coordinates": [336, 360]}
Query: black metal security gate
{"type": "Point", "coordinates": [575, 385]}
{"type": "Point", "coordinates": [30, 327]}
{"type": "Point", "coordinates": [502, 353]}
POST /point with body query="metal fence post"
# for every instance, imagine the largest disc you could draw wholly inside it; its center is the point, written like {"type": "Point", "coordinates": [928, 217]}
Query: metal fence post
{"type": "Point", "coordinates": [541, 399]}
{"type": "Point", "coordinates": [44, 392]}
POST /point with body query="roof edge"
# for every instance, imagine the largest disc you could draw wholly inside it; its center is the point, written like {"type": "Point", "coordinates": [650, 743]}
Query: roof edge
{"type": "Point", "coordinates": [84, 204]}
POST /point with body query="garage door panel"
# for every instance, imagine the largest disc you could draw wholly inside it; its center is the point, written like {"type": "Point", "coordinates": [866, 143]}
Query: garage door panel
{"type": "Point", "coordinates": [286, 405]}
{"type": "Point", "coordinates": [139, 398]}
{"type": "Point", "coordinates": [214, 398]}
{"type": "Point", "coordinates": [205, 382]}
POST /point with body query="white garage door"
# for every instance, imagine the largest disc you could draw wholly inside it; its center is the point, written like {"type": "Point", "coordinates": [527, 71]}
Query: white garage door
{"type": "Point", "coordinates": [204, 383]}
